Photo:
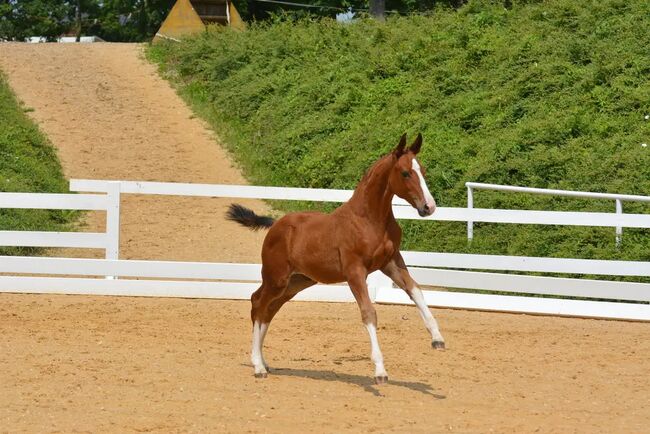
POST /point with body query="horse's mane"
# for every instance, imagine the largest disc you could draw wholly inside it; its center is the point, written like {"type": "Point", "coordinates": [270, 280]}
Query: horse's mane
{"type": "Point", "coordinates": [372, 169]}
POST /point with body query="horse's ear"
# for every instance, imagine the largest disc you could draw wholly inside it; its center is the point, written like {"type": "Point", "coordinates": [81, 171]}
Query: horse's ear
{"type": "Point", "coordinates": [417, 144]}
{"type": "Point", "coordinates": [399, 150]}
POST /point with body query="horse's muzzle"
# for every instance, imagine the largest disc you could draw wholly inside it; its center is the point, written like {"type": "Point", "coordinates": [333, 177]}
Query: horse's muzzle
{"type": "Point", "coordinates": [426, 210]}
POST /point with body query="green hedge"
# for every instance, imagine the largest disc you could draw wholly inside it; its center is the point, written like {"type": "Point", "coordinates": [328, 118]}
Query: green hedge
{"type": "Point", "coordinates": [28, 163]}
{"type": "Point", "coordinates": [545, 94]}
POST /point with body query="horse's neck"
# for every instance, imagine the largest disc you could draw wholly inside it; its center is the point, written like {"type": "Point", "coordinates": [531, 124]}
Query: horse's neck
{"type": "Point", "coordinates": [372, 198]}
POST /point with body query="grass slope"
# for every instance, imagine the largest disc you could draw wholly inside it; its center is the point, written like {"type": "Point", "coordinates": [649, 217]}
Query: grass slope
{"type": "Point", "coordinates": [28, 163]}
{"type": "Point", "coordinates": [546, 94]}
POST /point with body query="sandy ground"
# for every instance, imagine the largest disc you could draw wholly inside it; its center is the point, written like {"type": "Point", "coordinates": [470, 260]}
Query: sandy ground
{"type": "Point", "coordinates": [107, 364]}
{"type": "Point", "coordinates": [111, 117]}
{"type": "Point", "coordinates": [98, 364]}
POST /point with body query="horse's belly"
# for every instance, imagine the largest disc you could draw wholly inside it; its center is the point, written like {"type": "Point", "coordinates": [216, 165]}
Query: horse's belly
{"type": "Point", "coordinates": [315, 245]}
{"type": "Point", "coordinates": [322, 268]}
{"type": "Point", "coordinates": [318, 260]}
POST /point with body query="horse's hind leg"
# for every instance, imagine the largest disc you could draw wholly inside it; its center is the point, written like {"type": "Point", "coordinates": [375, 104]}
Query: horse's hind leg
{"type": "Point", "coordinates": [297, 283]}
{"type": "Point", "coordinates": [396, 270]}
{"type": "Point", "coordinates": [257, 359]}
{"type": "Point", "coordinates": [266, 302]}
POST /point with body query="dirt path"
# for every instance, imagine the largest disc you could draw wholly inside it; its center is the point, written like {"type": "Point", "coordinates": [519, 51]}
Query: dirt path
{"type": "Point", "coordinates": [111, 117]}
{"type": "Point", "coordinates": [107, 364]}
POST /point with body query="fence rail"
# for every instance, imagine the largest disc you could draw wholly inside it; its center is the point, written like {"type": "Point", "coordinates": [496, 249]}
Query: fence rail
{"type": "Point", "coordinates": [221, 190]}
{"type": "Point", "coordinates": [53, 239]}
{"type": "Point", "coordinates": [553, 192]}
{"type": "Point", "coordinates": [109, 202]}
{"type": "Point", "coordinates": [531, 305]}
{"type": "Point", "coordinates": [528, 263]}
{"type": "Point", "coordinates": [238, 281]}
{"type": "Point", "coordinates": [618, 198]}
{"type": "Point", "coordinates": [84, 202]}
{"type": "Point", "coordinates": [399, 209]}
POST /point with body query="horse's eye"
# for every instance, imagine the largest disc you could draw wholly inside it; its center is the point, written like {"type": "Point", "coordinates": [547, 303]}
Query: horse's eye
{"type": "Point", "coordinates": [406, 174]}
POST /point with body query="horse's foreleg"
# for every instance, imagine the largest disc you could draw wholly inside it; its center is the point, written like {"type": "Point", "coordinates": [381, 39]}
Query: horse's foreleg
{"type": "Point", "coordinates": [396, 270]}
{"type": "Point", "coordinates": [357, 282]}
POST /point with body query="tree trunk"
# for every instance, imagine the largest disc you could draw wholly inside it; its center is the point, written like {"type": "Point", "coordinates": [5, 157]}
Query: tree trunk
{"type": "Point", "coordinates": [78, 19]}
{"type": "Point", "coordinates": [377, 9]}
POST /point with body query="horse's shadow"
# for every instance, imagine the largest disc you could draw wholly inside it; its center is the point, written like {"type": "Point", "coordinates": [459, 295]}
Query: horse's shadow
{"type": "Point", "coordinates": [367, 383]}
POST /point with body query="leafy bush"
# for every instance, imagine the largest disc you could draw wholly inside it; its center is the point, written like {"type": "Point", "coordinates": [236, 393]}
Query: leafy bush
{"type": "Point", "coordinates": [28, 163]}
{"type": "Point", "coordinates": [543, 94]}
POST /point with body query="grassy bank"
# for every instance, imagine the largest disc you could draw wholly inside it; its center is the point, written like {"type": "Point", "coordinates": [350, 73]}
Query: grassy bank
{"type": "Point", "coordinates": [28, 163]}
{"type": "Point", "coordinates": [545, 94]}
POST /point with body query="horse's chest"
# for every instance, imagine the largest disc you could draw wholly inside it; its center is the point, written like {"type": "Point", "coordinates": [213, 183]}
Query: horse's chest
{"type": "Point", "coordinates": [382, 253]}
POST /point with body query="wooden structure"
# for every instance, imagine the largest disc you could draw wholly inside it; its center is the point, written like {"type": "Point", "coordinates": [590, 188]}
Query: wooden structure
{"type": "Point", "coordinates": [191, 16]}
{"type": "Point", "coordinates": [237, 281]}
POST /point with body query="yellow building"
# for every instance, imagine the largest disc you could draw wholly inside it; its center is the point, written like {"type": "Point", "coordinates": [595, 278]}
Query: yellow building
{"type": "Point", "coordinates": [191, 16]}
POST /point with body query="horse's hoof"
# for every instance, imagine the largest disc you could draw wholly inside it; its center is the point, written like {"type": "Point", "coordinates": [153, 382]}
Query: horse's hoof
{"type": "Point", "coordinates": [261, 375]}
{"type": "Point", "coordinates": [381, 379]}
{"type": "Point", "coordinates": [438, 345]}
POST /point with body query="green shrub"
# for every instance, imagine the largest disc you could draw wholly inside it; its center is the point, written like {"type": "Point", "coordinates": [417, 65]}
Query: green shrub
{"type": "Point", "coordinates": [542, 94]}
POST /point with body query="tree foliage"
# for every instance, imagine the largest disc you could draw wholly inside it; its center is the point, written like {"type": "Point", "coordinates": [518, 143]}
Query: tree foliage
{"type": "Point", "coordinates": [24, 18]}
{"type": "Point", "coordinates": [112, 20]}
{"type": "Point", "coordinates": [130, 20]}
{"type": "Point", "coordinates": [262, 10]}
{"type": "Point", "coordinates": [138, 20]}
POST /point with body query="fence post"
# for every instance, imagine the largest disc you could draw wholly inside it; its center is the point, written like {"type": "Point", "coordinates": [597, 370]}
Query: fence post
{"type": "Point", "coordinates": [113, 222]}
{"type": "Point", "coordinates": [619, 229]}
{"type": "Point", "coordinates": [470, 205]}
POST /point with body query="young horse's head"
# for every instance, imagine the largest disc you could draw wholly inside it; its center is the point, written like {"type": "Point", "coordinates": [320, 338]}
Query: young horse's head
{"type": "Point", "coordinates": [407, 177]}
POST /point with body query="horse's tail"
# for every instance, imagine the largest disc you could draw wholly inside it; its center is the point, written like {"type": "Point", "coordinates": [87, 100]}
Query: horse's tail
{"type": "Point", "coordinates": [247, 217]}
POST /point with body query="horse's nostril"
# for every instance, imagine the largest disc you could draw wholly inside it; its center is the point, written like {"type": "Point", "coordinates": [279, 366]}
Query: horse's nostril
{"type": "Point", "coordinates": [426, 208]}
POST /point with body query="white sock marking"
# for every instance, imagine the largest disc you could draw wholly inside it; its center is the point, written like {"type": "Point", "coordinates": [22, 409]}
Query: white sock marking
{"type": "Point", "coordinates": [429, 321]}
{"type": "Point", "coordinates": [264, 327]}
{"type": "Point", "coordinates": [428, 198]}
{"type": "Point", "coordinates": [375, 352]}
{"type": "Point", "coordinates": [256, 353]}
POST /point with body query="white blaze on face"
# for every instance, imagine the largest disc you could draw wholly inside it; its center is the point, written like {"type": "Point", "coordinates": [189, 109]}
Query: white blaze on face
{"type": "Point", "coordinates": [428, 198]}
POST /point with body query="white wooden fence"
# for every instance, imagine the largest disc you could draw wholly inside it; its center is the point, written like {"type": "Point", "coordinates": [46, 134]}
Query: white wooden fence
{"type": "Point", "coordinates": [238, 281]}
{"type": "Point", "coordinates": [618, 198]}
{"type": "Point", "coordinates": [109, 202]}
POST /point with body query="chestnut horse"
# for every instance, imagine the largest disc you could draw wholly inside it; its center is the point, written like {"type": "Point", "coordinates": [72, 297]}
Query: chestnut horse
{"type": "Point", "coordinates": [359, 237]}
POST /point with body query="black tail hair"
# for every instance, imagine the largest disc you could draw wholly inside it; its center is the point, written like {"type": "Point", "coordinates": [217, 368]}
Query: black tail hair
{"type": "Point", "coordinates": [247, 217]}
